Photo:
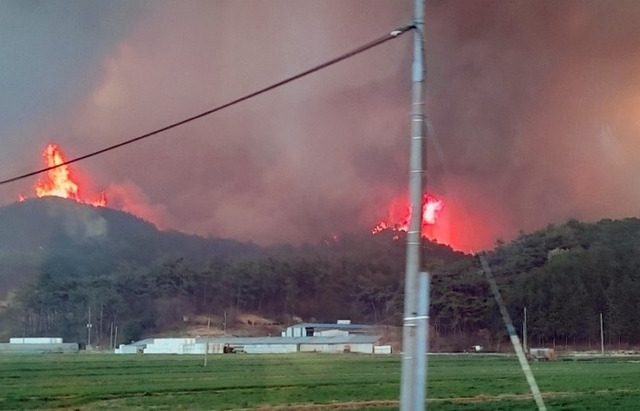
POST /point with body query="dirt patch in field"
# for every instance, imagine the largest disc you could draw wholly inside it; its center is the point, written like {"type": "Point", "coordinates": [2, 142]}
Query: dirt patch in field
{"type": "Point", "coordinates": [351, 405]}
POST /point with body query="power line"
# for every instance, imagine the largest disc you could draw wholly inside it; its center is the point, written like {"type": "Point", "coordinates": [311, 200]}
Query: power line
{"type": "Point", "coordinates": [380, 40]}
{"type": "Point", "coordinates": [526, 369]}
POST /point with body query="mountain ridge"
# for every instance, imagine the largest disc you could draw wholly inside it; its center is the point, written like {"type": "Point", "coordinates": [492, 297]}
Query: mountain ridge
{"type": "Point", "coordinates": [37, 231]}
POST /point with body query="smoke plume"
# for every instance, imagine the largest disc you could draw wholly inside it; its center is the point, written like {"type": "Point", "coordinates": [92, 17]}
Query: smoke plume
{"type": "Point", "coordinates": [534, 106]}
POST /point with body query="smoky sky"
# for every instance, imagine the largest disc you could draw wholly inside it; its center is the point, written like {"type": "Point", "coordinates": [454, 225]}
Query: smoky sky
{"type": "Point", "coordinates": [533, 108]}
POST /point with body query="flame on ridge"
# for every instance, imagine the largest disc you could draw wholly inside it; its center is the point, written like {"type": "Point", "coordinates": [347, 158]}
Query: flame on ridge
{"type": "Point", "coordinates": [399, 215]}
{"type": "Point", "coordinates": [59, 182]}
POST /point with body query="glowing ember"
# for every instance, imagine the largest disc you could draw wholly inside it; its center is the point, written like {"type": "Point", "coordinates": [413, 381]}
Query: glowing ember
{"type": "Point", "coordinates": [400, 215]}
{"type": "Point", "coordinates": [59, 182]}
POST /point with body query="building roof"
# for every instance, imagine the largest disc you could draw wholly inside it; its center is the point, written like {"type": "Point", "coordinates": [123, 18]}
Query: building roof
{"type": "Point", "coordinates": [349, 339]}
{"type": "Point", "coordinates": [332, 326]}
{"type": "Point", "coordinates": [144, 342]}
{"type": "Point", "coordinates": [32, 348]}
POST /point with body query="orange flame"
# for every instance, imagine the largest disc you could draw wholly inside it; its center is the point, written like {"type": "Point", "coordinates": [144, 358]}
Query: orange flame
{"type": "Point", "coordinates": [400, 215]}
{"type": "Point", "coordinates": [58, 181]}
{"type": "Point", "coordinates": [431, 207]}
{"type": "Point", "coordinates": [101, 201]}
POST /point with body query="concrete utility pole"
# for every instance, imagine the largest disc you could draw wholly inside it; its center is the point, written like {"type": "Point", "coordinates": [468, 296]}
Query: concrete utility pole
{"type": "Point", "coordinates": [524, 330]}
{"type": "Point", "coordinates": [89, 326]}
{"type": "Point", "coordinates": [411, 376]}
{"type": "Point", "coordinates": [513, 336]}
{"type": "Point", "coordinates": [601, 335]}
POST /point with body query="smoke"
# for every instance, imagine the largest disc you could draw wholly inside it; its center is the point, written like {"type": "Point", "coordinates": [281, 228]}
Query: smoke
{"type": "Point", "coordinates": [535, 105]}
{"type": "Point", "coordinates": [85, 224]}
{"type": "Point", "coordinates": [519, 95]}
{"type": "Point", "coordinates": [300, 163]}
{"type": "Point", "coordinates": [81, 223]}
{"type": "Point", "coordinates": [128, 197]}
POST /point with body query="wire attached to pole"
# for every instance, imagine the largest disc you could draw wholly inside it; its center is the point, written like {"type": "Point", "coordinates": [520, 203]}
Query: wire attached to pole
{"type": "Point", "coordinates": [524, 364]}
{"type": "Point", "coordinates": [380, 40]}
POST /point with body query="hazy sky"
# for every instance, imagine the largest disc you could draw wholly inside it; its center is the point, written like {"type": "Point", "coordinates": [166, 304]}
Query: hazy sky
{"type": "Point", "coordinates": [535, 107]}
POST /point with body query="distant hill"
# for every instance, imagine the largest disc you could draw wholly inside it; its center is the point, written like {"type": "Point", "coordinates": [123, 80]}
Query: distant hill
{"type": "Point", "coordinates": [76, 259]}
{"type": "Point", "coordinates": [70, 239]}
{"type": "Point", "coordinates": [67, 260]}
{"type": "Point", "coordinates": [567, 276]}
{"type": "Point", "coordinates": [531, 251]}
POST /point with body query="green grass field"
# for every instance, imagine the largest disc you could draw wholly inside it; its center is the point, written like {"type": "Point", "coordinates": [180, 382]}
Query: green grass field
{"type": "Point", "coordinates": [314, 381]}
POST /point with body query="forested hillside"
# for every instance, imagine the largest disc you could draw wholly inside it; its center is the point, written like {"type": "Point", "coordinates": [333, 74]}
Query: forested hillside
{"type": "Point", "coordinates": [127, 273]}
{"type": "Point", "coordinates": [69, 239]}
{"type": "Point", "coordinates": [357, 278]}
{"type": "Point", "coordinates": [566, 276]}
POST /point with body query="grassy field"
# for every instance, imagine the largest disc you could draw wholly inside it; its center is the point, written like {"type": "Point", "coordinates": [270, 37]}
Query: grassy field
{"type": "Point", "coordinates": [314, 381]}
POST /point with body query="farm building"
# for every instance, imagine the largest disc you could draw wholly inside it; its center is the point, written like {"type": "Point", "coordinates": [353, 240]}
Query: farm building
{"type": "Point", "coordinates": [342, 327]}
{"type": "Point", "coordinates": [317, 337]}
{"type": "Point", "coordinates": [253, 345]}
{"type": "Point", "coordinates": [38, 345]}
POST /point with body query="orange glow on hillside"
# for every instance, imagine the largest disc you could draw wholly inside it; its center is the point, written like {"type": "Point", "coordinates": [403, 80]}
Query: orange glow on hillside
{"type": "Point", "coordinates": [399, 216]}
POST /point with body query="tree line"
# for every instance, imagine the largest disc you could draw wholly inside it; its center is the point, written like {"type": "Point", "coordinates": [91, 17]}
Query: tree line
{"type": "Point", "coordinates": [566, 276]}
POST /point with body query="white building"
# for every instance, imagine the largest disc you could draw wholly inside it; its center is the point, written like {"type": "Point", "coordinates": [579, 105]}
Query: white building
{"type": "Point", "coordinates": [305, 337]}
{"type": "Point", "coordinates": [37, 345]}
{"type": "Point", "coordinates": [342, 327]}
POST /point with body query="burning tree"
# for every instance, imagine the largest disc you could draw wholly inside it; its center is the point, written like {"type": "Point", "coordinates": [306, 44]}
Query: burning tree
{"type": "Point", "coordinates": [58, 181]}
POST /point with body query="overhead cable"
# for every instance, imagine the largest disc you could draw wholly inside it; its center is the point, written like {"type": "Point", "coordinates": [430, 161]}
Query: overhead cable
{"type": "Point", "coordinates": [380, 40]}
{"type": "Point", "coordinates": [513, 336]}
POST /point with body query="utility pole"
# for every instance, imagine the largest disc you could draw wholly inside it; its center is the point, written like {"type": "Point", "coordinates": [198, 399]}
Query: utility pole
{"type": "Point", "coordinates": [206, 344]}
{"type": "Point", "coordinates": [410, 351]}
{"type": "Point", "coordinates": [422, 340]}
{"type": "Point", "coordinates": [89, 326]}
{"type": "Point", "coordinates": [524, 330]}
{"type": "Point", "coordinates": [513, 336]}
{"type": "Point", "coordinates": [601, 335]}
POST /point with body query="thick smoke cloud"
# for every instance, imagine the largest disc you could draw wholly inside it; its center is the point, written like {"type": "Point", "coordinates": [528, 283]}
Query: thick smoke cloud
{"type": "Point", "coordinates": [50, 53]}
{"type": "Point", "coordinates": [537, 104]}
{"type": "Point", "coordinates": [534, 108]}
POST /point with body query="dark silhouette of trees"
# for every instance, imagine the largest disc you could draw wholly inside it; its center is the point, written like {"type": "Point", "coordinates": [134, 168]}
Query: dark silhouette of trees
{"type": "Point", "coordinates": [147, 281]}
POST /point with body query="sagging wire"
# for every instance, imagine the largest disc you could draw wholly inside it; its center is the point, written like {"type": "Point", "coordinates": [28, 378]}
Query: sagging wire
{"type": "Point", "coordinates": [517, 346]}
{"type": "Point", "coordinates": [380, 40]}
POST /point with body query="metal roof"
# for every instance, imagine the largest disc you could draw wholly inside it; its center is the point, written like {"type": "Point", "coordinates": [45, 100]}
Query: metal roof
{"type": "Point", "coordinates": [349, 339]}
{"type": "Point", "coordinates": [143, 342]}
{"type": "Point", "coordinates": [20, 348]}
{"type": "Point", "coordinates": [332, 326]}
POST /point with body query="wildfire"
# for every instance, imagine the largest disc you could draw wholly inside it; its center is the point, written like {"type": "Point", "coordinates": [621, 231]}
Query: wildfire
{"type": "Point", "coordinates": [59, 182]}
{"type": "Point", "coordinates": [400, 215]}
